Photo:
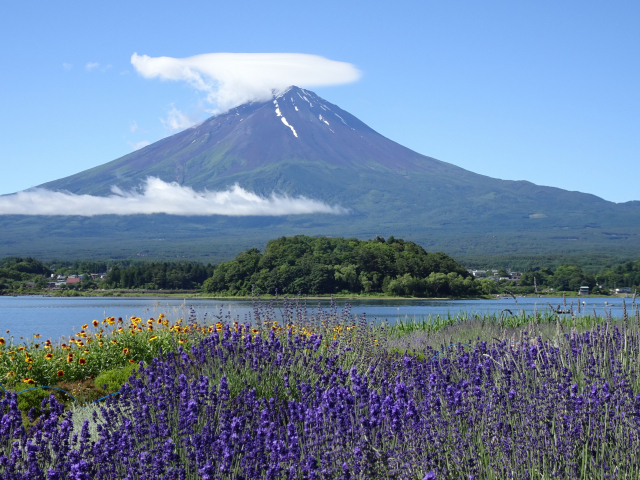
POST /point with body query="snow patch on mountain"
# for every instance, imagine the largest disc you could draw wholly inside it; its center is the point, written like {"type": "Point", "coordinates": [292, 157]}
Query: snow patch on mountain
{"type": "Point", "coordinates": [284, 120]}
{"type": "Point", "coordinates": [341, 118]}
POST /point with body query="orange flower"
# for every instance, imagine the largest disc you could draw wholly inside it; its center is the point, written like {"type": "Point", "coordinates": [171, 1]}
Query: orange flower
{"type": "Point", "coordinates": [131, 360]}
{"type": "Point", "coordinates": [36, 346]}
{"type": "Point", "coordinates": [82, 361]}
{"type": "Point", "coordinates": [29, 381]}
{"type": "Point", "coordinates": [37, 335]}
{"type": "Point", "coordinates": [48, 356]}
{"type": "Point", "coordinates": [2, 341]}
{"type": "Point", "coordinates": [126, 351]}
{"type": "Point", "coordinates": [95, 323]}
{"type": "Point", "coordinates": [60, 373]}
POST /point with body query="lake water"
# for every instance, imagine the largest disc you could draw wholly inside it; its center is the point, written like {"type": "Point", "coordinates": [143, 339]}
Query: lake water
{"type": "Point", "coordinates": [56, 317]}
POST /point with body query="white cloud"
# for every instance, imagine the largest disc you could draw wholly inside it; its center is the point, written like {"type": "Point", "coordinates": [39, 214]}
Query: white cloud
{"type": "Point", "coordinates": [139, 145]}
{"type": "Point", "coordinates": [177, 120]}
{"type": "Point", "coordinates": [133, 126]}
{"type": "Point", "coordinates": [230, 79]}
{"type": "Point", "coordinates": [67, 66]}
{"type": "Point", "coordinates": [157, 196]}
{"type": "Point", "coordinates": [92, 66]}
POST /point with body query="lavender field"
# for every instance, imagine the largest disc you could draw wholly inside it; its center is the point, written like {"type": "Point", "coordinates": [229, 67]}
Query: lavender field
{"type": "Point", "coordinates": [325, 397]}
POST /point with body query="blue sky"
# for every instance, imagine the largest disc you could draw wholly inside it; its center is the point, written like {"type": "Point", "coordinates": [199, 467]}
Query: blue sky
{"type": "Point", "coordinates": [543, 91]}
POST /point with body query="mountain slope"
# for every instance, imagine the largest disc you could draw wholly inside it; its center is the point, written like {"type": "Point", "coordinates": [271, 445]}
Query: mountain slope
{"type": "Point", "coordinates": [300, 144]}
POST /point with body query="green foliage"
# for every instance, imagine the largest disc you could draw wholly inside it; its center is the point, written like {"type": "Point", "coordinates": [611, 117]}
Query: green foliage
{"type": "Point", "coordinates": [31, 399]}
{"type": "Point", "coordinates": [159, 275]}
{"type": "Point", "coordinates": [321, 265]}
{"type": "Point", "coordinates": [115, 378]}
{"type": "Point", "coordinates": [14, 271]}
{"type": "Point", "coordinates": [623, 275]}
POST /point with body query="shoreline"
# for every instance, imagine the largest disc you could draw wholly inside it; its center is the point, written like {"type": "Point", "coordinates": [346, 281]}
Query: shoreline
{"type": "Point", "coordinates": [118, 294]}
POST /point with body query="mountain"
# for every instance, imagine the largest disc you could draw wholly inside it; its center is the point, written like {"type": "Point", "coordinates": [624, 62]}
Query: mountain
{"type": "Point", "coordinates": [300, 144]}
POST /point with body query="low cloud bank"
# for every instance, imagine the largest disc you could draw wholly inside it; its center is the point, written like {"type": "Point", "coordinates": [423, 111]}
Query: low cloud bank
{"type": "Point", "coordinates": [157, 196]}
{"type": "Point", "coordinates": [230, 79]}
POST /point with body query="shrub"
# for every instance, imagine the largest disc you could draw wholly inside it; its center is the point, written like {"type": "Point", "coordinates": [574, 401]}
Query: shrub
{"type": "Point", "coordinates": [115, 378]}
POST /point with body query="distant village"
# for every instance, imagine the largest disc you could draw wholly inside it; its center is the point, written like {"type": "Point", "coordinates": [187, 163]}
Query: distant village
{"type": "Point", "coordinates": [59, 280]}
{"type": "Point", "coordinates": [515, 277]}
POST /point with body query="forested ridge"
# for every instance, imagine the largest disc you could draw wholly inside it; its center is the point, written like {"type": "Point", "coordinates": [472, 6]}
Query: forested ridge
{"type": "Point", "coordinates": [321, 265]}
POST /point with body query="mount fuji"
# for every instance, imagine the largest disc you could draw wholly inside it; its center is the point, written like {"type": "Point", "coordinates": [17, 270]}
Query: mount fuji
{"type": "Point", "coordinates": [299, 144]}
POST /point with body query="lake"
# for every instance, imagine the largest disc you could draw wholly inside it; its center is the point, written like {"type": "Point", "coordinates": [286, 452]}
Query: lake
{"type": "Point", "coordinates": [55, 317]}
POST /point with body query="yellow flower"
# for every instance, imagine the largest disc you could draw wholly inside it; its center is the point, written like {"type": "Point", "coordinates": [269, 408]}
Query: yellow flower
{"type": "Point", "coordinates": [95, 323]}
{"type": "Point", "coordinates": [182, 340]}
{"type": "Point", "coordinates": [69, 358]}
{"type": "Point", "coordinates": [60, 373]}
{"type": "Point", "coordinates": [29, 381]}
{"type": "Point", "coordinates": [2, 341]}
{"type": "Point", "coordinates": [126, 351]}
{"type": "Point", "coordinates": [85, 351]}
{"type": "Point", "coordinates": [131, 360]}
{"type": "Point", "coordinates": [86, 325]}
{"type": "Point", "coordinates": [48, 356]}
{"type": "Point", "coordinates": [100, 344]}
{"type": "Point", "coordinates": [114, 342]}
{"type": "Point", "coordinates": [11, 374]}
{"type": "Point", "coordinates": [150, 321]}
{"type": "Point", "coordinates": [10, 352]}
{"type": "Point", "coordinates": [153, 338]}
{"type": "Point", "coordinates": [28, 360]}
{"type": "Point", "coordinates": [37, 335]}
{"type": "Point", "coordinates": [20, 349]}
{"type": "Point", "coordinates": [82, 361]}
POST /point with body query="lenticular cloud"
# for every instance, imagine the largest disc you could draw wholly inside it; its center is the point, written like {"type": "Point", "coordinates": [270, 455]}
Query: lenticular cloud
{"type": "Point", "coordinates": [157, 196]}
{"type": "Point", "coordinates": [230, 79]}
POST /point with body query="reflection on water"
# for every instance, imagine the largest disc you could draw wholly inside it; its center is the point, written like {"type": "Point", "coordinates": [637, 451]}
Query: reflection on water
{"type": "Point", "coordinates": [54, 317]}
